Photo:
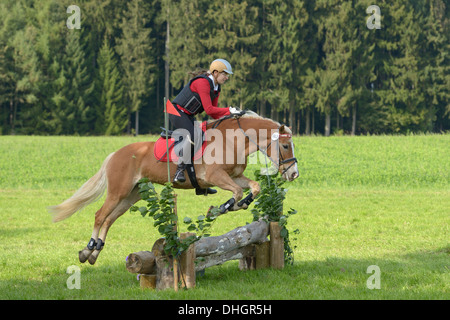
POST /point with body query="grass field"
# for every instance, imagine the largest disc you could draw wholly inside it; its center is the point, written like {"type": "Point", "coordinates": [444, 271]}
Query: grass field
{"type": "Point", "coordinates": [361, 201]}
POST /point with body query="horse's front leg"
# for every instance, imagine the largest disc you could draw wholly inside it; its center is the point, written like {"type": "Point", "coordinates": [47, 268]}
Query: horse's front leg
{"type": "Point", "coordinates": [246, 183]}
{"type": "Point", "coordinates": [221, 179]}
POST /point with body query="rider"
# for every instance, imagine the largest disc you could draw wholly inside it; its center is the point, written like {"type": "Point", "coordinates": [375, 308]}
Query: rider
{"type": "Point", "coordinates": [200, 94]}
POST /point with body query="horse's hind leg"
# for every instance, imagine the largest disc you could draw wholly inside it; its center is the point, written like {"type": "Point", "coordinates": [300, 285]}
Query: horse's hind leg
{"type": "Point", "coordinates": [120, 209]}
{"type": "Point", "coordinates": [100, 216]}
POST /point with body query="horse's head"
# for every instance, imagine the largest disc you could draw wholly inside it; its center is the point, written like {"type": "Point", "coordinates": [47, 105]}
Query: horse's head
{"type": "Point", "coordinates": [287, 162]}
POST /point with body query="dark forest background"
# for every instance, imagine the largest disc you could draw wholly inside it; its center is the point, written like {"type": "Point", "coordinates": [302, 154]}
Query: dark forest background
{"type": "Point", "coordinates": [314, 65]}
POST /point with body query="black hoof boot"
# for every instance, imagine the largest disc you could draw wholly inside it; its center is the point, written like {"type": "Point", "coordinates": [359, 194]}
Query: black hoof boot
{"type": "Point", "coordinates": [226, 206]}
{"type": "Point", "coordinates": [179, 174]}
{"type": "Point", "coordinates": [247, 200]}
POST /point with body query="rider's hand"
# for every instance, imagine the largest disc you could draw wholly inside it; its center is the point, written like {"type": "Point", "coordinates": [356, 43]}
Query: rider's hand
{"type": "Point", "coordinates": [234, 111]}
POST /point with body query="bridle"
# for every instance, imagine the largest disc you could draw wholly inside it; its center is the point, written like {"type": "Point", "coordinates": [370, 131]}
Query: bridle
{"type": "Point", "coordinates": [275, 137]}
{"type": "Point", "coordinates": [281, 161]}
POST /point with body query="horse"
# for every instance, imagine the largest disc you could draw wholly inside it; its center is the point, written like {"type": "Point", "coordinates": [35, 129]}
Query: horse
{"type": "Point", "coordinates": [122, 170]}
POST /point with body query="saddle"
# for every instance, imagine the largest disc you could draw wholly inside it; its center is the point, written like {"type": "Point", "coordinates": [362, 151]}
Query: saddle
{"type": "Point", "coordinates": [160, 153]}
{"type": "Point", "coordinates": [160, 149]}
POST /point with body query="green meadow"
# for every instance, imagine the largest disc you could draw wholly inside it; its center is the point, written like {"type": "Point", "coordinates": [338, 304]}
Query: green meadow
{"type": "Point", "coordinates": [361, 201]}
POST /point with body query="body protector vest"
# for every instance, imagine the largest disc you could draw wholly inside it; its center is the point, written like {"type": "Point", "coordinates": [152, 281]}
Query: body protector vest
{"type": "Point", "coordinates": [191, 100]}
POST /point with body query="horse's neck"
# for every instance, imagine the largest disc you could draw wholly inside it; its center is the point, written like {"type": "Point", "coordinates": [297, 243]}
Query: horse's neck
{"type": "Point", "coordinates": [258, 131]}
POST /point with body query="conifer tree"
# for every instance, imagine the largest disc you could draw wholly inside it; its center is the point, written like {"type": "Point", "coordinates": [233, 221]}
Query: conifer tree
{"type": "Point", "coordinates": [134, 47]}
{"type": "Point", "coordinates": [111, 114]}
{"type": "Point", "coordinates": [73, 90]}
{"type": "Point", "coordinates": [233, 36]}
{"type": "Point", "coordinates": [186, 51]}
{"type": "Point", "coordinates": [296, 58]}
{"type": "Point", "coordinates": [289, 55]}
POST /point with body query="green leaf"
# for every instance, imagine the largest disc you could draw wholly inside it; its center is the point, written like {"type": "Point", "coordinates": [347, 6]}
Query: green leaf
{"type": "Point", "coordinates": [143, 211]}
{"type": "Point", "coordinates": [187, 220]}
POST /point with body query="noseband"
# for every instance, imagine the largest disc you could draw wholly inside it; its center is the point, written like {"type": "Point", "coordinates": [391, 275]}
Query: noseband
{"type": "Point", "coordinates": [281, 161]}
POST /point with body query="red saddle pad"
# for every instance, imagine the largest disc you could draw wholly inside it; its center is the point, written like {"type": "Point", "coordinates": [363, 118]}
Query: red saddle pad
{"type": "Point", "coordinates": [160, 148]}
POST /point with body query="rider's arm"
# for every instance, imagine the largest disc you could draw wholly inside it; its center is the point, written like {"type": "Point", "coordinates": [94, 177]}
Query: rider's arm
{"type": "Point", "coordinates": [201, 86]}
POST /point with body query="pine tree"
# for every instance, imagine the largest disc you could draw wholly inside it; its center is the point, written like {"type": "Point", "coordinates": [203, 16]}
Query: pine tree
{"type": "Point", "coordinates": [289, 55]}
{"type": "Point", "coordinates": [294, 58]}
{"type": "Point", "coordinates": [73, 90]}
{"type": "Point", "coordinates": [111, 114]}
{"type": "Point", "coordinates": [134, 47]}
{"type": "Point", "coordinates": [29, 78]}
{"type": "Point", "coordinates": [333, 70]}
{"type": "Point", "coordinates": [233, 36]}
{"type": "Point", "coordinates": [435, 66]}
{"type": "Point", "coordinates": [187, 29]}
{"type": "Point", "coordinates": [405, 69]}
{"type": "Point", "coordinates": [21, 76]}
{"type": "Point", "coordinates": [359, 64]}
{"type": "Point", "coordinates": [48, 44]}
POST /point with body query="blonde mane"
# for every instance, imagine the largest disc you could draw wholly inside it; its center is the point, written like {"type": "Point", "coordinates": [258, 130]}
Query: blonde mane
{"type": "Point", "coordinates": [248, 115]}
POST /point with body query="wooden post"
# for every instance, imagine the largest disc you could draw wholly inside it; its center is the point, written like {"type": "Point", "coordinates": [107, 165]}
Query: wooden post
{"type": "Point", "coordinates": [262, 255]}
{"type": "Point", "coordinates": [187, 262]}
{"type": "Point", "coordinates": [276, 246]}
{"type": "Point", "coordinates": [141, 262]}
{"type": "Point", "coordinates": [147, 281]}
{"type": "Point", "coordinates": [164, 273]}
{"type": "Point", "coordinates": [248, 261]}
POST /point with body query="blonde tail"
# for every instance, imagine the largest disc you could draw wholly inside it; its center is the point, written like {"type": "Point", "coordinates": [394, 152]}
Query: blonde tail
{"type": "Point", "coordinates": [90, 191]}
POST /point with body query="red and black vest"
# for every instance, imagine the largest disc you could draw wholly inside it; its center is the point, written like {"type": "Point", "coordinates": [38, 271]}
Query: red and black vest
{"type": "Point", "coordinates": [190, 100]}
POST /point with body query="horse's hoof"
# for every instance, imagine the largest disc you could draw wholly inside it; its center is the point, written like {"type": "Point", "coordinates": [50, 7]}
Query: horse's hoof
{"type": "Point", "coordinates": [93, 258]}
{"type": "Point", "coordinates": [84, 254]}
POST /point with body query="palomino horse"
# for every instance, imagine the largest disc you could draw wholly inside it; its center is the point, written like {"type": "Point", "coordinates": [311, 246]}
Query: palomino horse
{"type": "Point", "coordinates": [121, 171]}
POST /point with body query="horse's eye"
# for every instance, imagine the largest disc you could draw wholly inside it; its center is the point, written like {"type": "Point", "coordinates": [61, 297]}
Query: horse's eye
{"type": "Point", "coordinates": [285, 146]}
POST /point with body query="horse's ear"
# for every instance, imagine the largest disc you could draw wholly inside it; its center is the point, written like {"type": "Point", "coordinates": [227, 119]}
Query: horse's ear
{"type": "Point", "coordinates": [282, 129]}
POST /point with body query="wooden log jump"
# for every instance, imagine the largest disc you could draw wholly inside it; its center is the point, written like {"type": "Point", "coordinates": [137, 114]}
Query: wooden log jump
{"type": "Point", "coordinates": [248, 243]}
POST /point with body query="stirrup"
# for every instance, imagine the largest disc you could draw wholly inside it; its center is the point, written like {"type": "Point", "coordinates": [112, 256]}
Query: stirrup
{"type": "Point", "coordinates": [179, 174]}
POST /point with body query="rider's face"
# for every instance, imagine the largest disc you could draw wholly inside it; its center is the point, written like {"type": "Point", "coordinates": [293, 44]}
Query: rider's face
{"type": "Point", "coordinates": [222, 77]}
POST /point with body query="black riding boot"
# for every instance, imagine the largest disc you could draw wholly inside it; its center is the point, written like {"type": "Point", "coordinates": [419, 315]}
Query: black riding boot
{"type": "Point", "coordinates": [179, 174]}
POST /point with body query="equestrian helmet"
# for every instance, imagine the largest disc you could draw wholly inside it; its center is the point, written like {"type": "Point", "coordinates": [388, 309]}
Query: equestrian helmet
{"type": "Point", "coordinates": [220, 65]}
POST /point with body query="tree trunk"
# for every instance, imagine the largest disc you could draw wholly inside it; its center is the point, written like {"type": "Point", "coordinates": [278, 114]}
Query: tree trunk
{"type": "Point", "coordinates": [219, 258]}
{"type": "Point", "coordinates": [354, 120]}
{"type": "Point", "coordinates": [141, 262]}
{"type": "Point", "coordinates": [337, 120]}
{"type": "Point", "coordinates": [255, 232]}
{"type": "Point", "coordinates": [262, 109]}
{"type": "Point", "coordinates": [274, 114]}
{"type": "Point", "coordinates": [327, 124]}
{"type": "Point", "coordinates": [292, 117]}
{"type": "Point", "coordinates": [136, 125]}
{"type": "Point", "coordinates": [307, 122]}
